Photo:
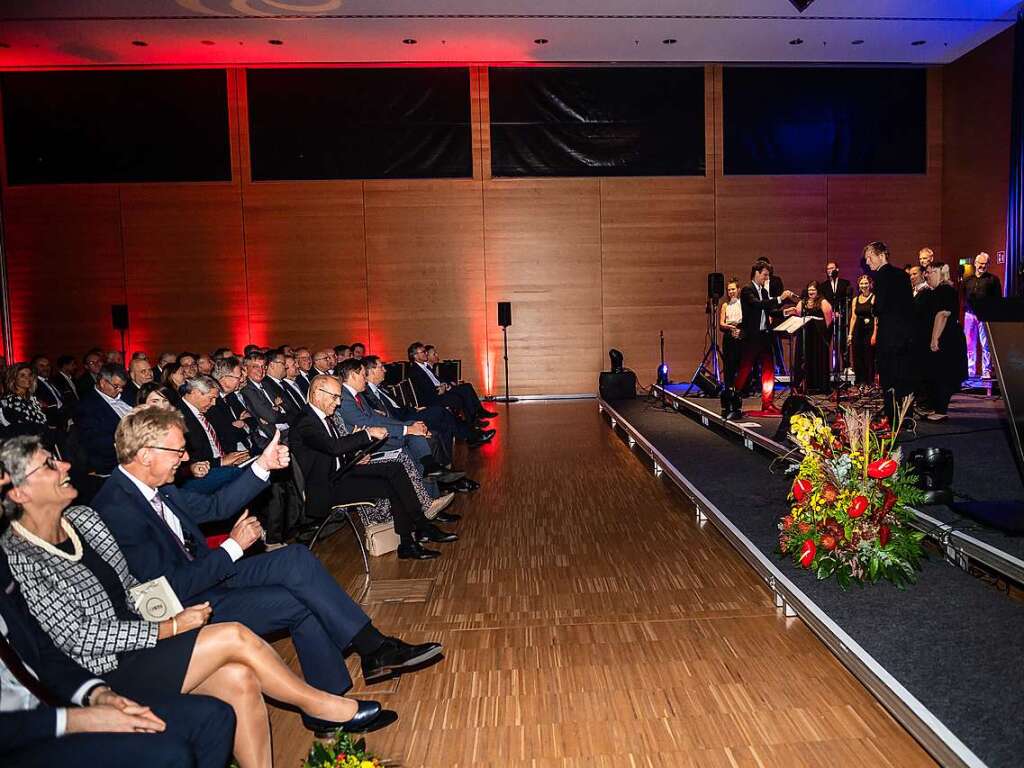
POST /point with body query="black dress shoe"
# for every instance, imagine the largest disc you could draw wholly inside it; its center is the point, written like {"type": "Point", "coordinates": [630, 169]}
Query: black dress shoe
{"type": "Point", "coordinates": [395, 657]}
{"type": "Point", "coordinates": [433, 470]}
{"type": "Point", "coordinates": [481, 424]}
{"type": "Point", "coordinates": [447, 517]}
{"type": "Point", "coordinates": [467, 486]}
{"type": "Point", "coordinates": [415, 552]}
{"type": "Point", "coordinates": [368, 717]}
{"type": "Point", "coordinates": [450, 477]}
{"type": "Point", "coordinates": [434, 534]}
{"type": "Point", "coordinates": [480, 438]}
{"type": "Point", "coordinates": [483, 413]}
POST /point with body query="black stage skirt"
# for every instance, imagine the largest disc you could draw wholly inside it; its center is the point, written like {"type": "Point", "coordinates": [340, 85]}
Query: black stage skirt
{"type": "Point", "coordinates": [157, 670]}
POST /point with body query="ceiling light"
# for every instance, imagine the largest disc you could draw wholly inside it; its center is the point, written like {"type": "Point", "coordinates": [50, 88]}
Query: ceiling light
{"type": "Point", "coordinates": [207, 42]}
{"type": "Point", "coordinates": [140, 43]}
{"type": "Point", "coordinates": [276, 42]}
{"type": "Point", "coordinates": [541, 41]}
{"type": "Point", "coordinates": [856, 42]}
{"type": "Point", "coordinates": [409, 41]}
{"type": "Point", "coordinates": [801, 5]}
{"type": "Point", "coordinates": [796, 41]}
{"type": "Point", "coordinates": [669, 41]}
{"type": "Point", "coordinates": [919, 42]}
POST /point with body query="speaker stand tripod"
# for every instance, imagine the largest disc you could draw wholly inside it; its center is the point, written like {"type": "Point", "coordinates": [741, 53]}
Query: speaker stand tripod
{"type": "Point", "coordinates": [505, 398]}
{"type": "Point", "coordinates": [712, 353]}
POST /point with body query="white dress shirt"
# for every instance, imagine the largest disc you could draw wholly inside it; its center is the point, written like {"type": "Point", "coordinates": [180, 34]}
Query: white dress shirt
{"type": "Point", "coordinates": [211, 436]}
{"type": "Point", "coordinates": [430, 373]}
{"type": "Point", "coordinates": [323, 420]}
{"type": "Point", "coordinates": [121, 408]}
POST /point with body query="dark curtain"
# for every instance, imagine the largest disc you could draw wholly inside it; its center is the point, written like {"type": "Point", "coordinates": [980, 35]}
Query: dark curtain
{"type": "Point", "coordinates": [1015, 211]}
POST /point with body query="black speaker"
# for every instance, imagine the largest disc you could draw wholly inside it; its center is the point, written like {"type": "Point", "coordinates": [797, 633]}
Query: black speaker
{"type": "Point", "coordinates": [716, 285]}
{"type": "Point", "coordinates": [119, 316]}
{"type": "Point", "coordinates": [617, 386]}
{"type": "Point", "coordinates": [504, 313]}
{"type": "Point", "coordinates": [705, 383]}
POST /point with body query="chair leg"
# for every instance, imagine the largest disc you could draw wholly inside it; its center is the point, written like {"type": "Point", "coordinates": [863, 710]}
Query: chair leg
{"type": "Point", "coordinates": [332, 517]}
{"type": "Point", "coordinates": [362, 550]}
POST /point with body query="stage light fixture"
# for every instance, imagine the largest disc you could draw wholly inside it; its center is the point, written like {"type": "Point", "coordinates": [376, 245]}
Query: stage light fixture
{"type": "Point", "coordinates": [140, 43]}
{"type": "Point", "coordinates": [663, 380]}
{"type": "Point", "coordinates": [669, 41]}
{"type": "Point", "coordinates": [919, 42]}
{"type": "Point", "coordinates": [801, 5]}
{"type": "Point", "coordinates": [856, 42]}
{"type": "Point", "coordinates": [541, 41]}
{"type": "Point", "coordinates": [276, 42]}
{"type": "Point", "coordinates": [796, 41]}
{"type": "Point", "coordinates": [615, 358]}
{"type": "Point", "coordinates": [934, 470]}
{"type": "Point", "coordinates": [409, 41]}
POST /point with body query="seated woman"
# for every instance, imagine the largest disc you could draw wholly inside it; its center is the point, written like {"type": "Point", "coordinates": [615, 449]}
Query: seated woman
{"type": "Point", "coordinates": [20, 406]}
{"type": "Point", "coordinates": [813, 341]}
{"type": "Point", "coordinates": [154, 393]}
{"type": "Point", "coordinates": [76, 581]}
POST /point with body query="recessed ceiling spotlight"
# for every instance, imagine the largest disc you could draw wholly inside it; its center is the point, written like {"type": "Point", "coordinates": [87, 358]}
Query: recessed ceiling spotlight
{"type": "Point", "coordinates": [207, 42]}
{"type": "Point", "coordinates": [856, 42]}
{"type": "Point", "coordinates": [409, 41]}
{"type": "Point", "coordinates": [541, 41]}
{"type": "Point", "coordinates": [669, 41]}
{"type": "Point", "coordinates": [276, 42]}
{"type": "Point", "coordinates": [919, 42]}
{"type": "Point", "coordinates": [140, 43]}
{"type": "Point", "coordinates": [796, 41]}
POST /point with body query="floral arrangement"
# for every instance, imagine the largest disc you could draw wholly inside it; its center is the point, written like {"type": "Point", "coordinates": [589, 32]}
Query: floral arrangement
{"type": "Point", "coordinates": [343, 752]}
{"type": "Point", "coordinates": [849, 516]}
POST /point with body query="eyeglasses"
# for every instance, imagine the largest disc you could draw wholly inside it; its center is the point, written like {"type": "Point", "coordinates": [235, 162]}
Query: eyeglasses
{"type": "Point", "coordinates": [328, 392]}
{"type": "Point", "coordinates": [179, 451]}
{"type": "Point", "coordinates": [49, 463]}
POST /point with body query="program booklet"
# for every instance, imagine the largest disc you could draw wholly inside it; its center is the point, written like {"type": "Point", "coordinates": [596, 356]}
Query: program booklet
{"type": "Point", "coordinates": [155, 600]}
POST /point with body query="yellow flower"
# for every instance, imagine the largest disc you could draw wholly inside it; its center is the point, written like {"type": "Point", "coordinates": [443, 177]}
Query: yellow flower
{"type": "Point", "coordinates": [366, 764]}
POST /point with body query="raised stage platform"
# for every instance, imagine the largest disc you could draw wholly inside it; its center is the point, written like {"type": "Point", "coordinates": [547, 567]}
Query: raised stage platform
{"type": "Point", "coordinates": [944, 656]}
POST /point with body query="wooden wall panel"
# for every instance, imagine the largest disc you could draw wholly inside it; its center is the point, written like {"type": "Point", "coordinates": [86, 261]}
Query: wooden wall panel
{"type": "Point", "coordinates": [185, 266]}
{"type": "Point", "coordinates": [306, 259]}
{"type": "Point", "coordinates": [424, 247]}
{"type": "Point", "coordinates": [976, 171]}
{"type": "Point", "coordinates": [657, 246]}
{"type": "Point", "coordinates": [543, 253]}
{"type": "Point", "coordinates": [64, 268]}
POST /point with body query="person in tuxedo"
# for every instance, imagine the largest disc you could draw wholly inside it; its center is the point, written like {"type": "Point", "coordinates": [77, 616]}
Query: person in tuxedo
{"type": "Point", "coordinates": [838, 293]}
{"type": "Point", "coordinates": [304, 361]}
{"type": "Point", "coordinates": [97, 416]}
{"type": "Point", "coordinates": [64, 378]}
{"type": "Point", "coordinates": [260, 401]}
{"type": "Point", "coordinates": [49, 395]}
{"type": "Point", "coordinates": [56, 711]}
{"type": "Point", "coordinates": [755, 334]}
{"type": "Point", "coordinates": [140, 372]}
{"type": "Point", "coordinates": [92, 362]}
{"type": "Point", "coordinates": [894, 327]}
{"type": "Point", "coordinates": [460, 398]}
{"type": "Point", "coordinates": [322, 451]}
{"type": "Point", "coordinates": [157, 524]}
{"type": "Point", "coordinates": [291, 403]}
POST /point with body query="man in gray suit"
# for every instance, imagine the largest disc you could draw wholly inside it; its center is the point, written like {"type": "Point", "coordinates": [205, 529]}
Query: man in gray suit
{"type": "Point", "coordinates": [265, 406]}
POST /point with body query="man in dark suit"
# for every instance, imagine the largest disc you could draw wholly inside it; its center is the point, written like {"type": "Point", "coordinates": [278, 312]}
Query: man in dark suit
{"type": "Point", "coordinates": [216, 465]}
{"type": "Point", "coordinates": [264, 405]}
{"type": "Point", "coordinates": [323, 362]}
{"type": "Point", "coordinates": [293, 382]}
{"type": "Point", "coordinates": [273, 382]}
{"type": "Point", "coordinates": [756, 333]}
{"type": "Point", "coordinates": [56, 713]}
{"type": "Point", "coordinates": [230, 419]}
{"type": "Point", "coordinates": [97, 416]}
{"type": "Point", "coordinates": [304, 361]}
{"type": "Point", "coordinates": [157, 527]}
{"type": "Point", "coordinates": [92, 362]}
{"type": "Point", "coordinates": [894, 327]}
{"type": "Point", "coordinates": [321, 452]}
{"type": "Point", "coordinates": [430, 390]}
{"type": "Point", "coordinates": [57, 411]}
{"type": "Point", "coordinates": [837, 290]}
{"type": "Point", "coordinates": [139, 372]}
{"type": "Point", "coordinates": [64, 379]}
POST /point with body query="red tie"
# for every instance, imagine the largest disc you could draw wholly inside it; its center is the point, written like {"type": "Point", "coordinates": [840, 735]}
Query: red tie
{"type": "Point", "coordinates": [359, 401]}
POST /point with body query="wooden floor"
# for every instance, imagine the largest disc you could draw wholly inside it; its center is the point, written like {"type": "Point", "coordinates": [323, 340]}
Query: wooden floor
{"type": "Point", "coordinates": [588, 620]}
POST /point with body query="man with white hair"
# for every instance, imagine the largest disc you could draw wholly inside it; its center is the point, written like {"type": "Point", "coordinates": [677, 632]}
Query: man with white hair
{"type": "Point", "coordinates": [980, 287]}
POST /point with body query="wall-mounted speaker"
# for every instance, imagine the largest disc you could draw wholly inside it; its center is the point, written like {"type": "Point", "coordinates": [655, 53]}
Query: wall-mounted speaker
{"type": "Point", "coordinates": [504, 313]}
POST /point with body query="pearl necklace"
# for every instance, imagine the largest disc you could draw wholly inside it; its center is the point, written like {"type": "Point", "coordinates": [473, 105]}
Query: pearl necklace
{"type": "Point", "coordinates": [76, 543]}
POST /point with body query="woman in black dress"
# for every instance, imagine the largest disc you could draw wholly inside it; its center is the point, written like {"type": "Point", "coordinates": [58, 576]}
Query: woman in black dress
{"type": "Point", "coordinates": [730, 317]}
{"type": "Point", "coordinates": [813, 341]}
{"type": "Point", "coordinates": [862, 334]}
{"type": "Point", "coordinates": [75, 580]}
{"type": "Point", "coordinates": [946, 366]}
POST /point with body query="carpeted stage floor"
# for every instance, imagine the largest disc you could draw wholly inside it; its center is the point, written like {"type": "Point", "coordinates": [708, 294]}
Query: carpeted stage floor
{"type": "Point", "coordinates": [590, 622]}
{"type": "Point", "coordinates": [953, 641]}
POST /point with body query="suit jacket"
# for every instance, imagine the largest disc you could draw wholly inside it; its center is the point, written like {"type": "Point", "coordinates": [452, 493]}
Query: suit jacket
{"type": "Point", "coordinates": [303, 380]}
{"type": "Point", "coordinates": [222, 418]}
{"type": "Point", "coordinates": [316, 452]}
{"type": "Point", "coordinates": [97, 422]}
{"type": "Point", "coordinates": [130, 393]}
{"type": "Point", "coordinates": [381, 404]}
{"type": "Point", "coordinates": [150, 547]}
{"type": "Point", "coordinates": [753, 305]}
{"type": "Point", "coordinates": [837, 298]}
{"type": "Point", "coordinates": [426, 390]}
{"type": "Point", "coordinates": [196, 440]}
{"type": "Point", "coordinates": [55, 407]}
{"type": "Point", "coordinates": [66, 386]}
{"type": "Point", "coordinates": [85, 384]}
{"type": "Point", "coordinates": [291, 405]}
{"type": "Point", "coordinates": [267, 415]}
{"type": "Point", "coordinates": [61, 676]}
{"type": "Point", "coordinates": [366, 416]}
{"type": "Point", "coordinates": [295, 394]}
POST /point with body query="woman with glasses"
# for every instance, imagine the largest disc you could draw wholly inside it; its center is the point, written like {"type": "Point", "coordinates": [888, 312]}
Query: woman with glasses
{"type": "Point", "coordinates": [75, 580]}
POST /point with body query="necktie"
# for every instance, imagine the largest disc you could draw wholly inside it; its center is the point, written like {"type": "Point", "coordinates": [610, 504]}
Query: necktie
{"type": "Point", "coordinates": [53, 393]}
{"type": "Point", "coordinates": [161, 512]}
{"type": "Point", "coordinates": [17, 668]}
{"type": "Point", "coordinates": [359, 401]}
{"type": "Point", "coordinates": [211, 433]}
{"type": "Point", "coordinates": [333, 430]}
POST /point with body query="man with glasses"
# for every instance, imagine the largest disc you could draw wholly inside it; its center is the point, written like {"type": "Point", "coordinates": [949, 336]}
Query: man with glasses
{"type": "Point", "coordinates": [92, 362]}
{"type": "Point", "coordinates": [324, 362]}
{"type": "Point", "coordinates": [304, 362]}
{"type": "Point", "coordinates": [228, 415]}
{"type": "Point", "coordinates": [97, 416]}
{"type": "Point", "coordinates": [189, 366]}
{"type": "Point", "coordinates": [260, 401]}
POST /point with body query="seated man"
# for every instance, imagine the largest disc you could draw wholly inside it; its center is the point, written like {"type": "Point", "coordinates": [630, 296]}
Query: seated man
{"type": "Point", "coordinates": [323, 363]}
{"type": "Point", "coordinates": [230, 420]}
{"type": "Point", "coordinates": [97, 416]}
{"type": "Point", "coordinates": [291, 402]}
{"type": "Point", "coordinates": [320, 450]}
{"type": "Point", "coordinates": [412, 436]}
{"type": "Point", "coordinates": [461, 398]}
{"type": "Point", "coordinates": [209, 466]}
{"type": "Point", "coordinates": [139, 372]}
{"type": "Point", "coordinates": [264, 405]}
{"type": "Point", "coordinates": [57, 411]}
{"type": "Point", "coordinates": [55, 712]}
{"type": "Point", "coordinates": [157, 528]}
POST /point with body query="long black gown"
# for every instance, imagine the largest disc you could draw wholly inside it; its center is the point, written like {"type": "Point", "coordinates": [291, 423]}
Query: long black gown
{"type": "Point", "coordinates": [813, 344]}
{"type": "Point", "coordinates": [946, 369]}
{"type": "Point", "coordinates": [863, 352]}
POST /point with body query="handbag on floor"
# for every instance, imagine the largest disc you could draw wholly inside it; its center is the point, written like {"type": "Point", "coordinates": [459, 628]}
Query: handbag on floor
{"type": "Point", "coordinates": [379, 529]}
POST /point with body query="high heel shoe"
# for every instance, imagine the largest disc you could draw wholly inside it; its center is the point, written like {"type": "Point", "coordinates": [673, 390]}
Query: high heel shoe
{"type": "Point", "coordinates": [368, 717]}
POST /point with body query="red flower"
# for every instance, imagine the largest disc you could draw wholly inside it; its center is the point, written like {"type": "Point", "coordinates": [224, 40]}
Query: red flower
{"type": "Point", "coordinates": [882, 468]}
{"type": "Point", "coordinates": [787, 522]}
{"type": "Point", "coordinates": [802, 488]}
{"type": "Point", "coordinates": [829, 493]}
{"type": "Point", "coordinates": [883, 535]}
{"type": "Point", "coordinates": [890, 501]}
{"type": "Point", "coordinates": [828, 541]}
{"type": "Point", "coordinates": [858, 506]}
{"type": "Point", "coordinates": [804, 527]}
{"type": "Point", "coordinates": [807, 553]}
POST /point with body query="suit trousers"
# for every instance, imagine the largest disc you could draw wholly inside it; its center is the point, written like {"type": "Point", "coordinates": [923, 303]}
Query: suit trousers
{"type": "Point", "coordinates": [894, 359]}
{"type": "Point", "coordinates": [288, 589]}
{"type": "Point", "coordinates": [200, 732]}
{"type": "Point", "coordinates": [388, 480]}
